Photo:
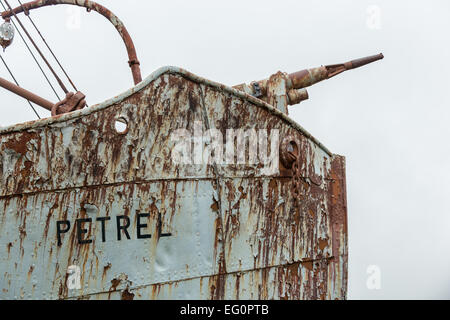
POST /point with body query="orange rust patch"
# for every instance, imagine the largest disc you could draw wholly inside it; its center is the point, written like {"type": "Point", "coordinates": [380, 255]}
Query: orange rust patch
{"type": "Point", "coordinates": [105, 270]}
{"type": "Point", "coordinates": [215, 206]}
{"type": "Point", "coordinates": [9, 246]}
{"type": "Point", "coordinates": [19, 145]}
{"type": "Point", "coordinates": [114, 284]}
{"type": "Point", "coordinates": [30, 272]}
{"type": "Point", "coordinates": [273, 184]}
{"type": "Point", "coordinates": [127, 295]}
{"type": "Point", "coordinates": [308, 265]}
{"type": "Point", "coordinates": [323, 243]}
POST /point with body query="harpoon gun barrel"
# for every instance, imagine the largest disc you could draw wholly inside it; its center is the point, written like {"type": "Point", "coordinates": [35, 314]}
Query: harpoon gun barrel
{"type": "Point", "coordinates": [308, 77]}
{"type": "Point", "coordinates": [282, 90]}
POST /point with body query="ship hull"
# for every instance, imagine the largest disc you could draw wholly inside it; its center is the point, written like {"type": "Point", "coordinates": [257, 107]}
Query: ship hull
{"type": "Point", "coordinates": [87, 211]}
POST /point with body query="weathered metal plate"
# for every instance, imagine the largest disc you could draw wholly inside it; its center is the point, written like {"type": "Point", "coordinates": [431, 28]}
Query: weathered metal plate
{"type": "Point", "coordinates": [75, 192]}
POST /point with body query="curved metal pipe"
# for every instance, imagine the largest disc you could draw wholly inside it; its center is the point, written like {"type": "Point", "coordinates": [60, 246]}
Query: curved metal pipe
{"type": "Point", "coordinates": [90, 5]}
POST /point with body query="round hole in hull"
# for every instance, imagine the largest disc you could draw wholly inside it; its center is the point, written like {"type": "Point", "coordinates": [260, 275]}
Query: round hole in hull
{"type": "Point", "coordinates": [121, 125]}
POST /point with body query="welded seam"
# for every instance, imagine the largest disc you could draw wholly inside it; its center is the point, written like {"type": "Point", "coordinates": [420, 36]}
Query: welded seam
{"type": "Point", "coordinates": [99, 186]}
{"type": "Point", "coordinates": [219, 185]}
{"type": "Point", "coordinates": [119, 184]}
{"type": "Point", "coordinates": [205, 276]}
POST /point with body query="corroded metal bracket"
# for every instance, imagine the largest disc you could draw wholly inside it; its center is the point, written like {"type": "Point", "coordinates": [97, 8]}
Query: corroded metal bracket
{"type": "Point", "coordinates": [72, 102]}
{"type": "Point", "coordinates": [89, 5]}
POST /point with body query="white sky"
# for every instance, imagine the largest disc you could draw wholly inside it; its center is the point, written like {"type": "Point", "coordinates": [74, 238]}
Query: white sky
{"type": "Point", "coordinates": [390, 119]}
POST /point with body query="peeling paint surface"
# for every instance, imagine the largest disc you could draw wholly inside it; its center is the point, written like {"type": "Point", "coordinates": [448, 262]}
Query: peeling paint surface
{"type": "Point", "coordinates": [217, 232]}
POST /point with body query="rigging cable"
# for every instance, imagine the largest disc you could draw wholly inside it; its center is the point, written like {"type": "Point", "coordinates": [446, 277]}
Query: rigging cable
{"type": "Point", "coordinates": [32, 54]}
{"type": "Point", "coordinates": [14, 78]}
{"type": "Point", "coordinates": [61, 84]}
{"type": "Point", "coordinates": [51, 51]}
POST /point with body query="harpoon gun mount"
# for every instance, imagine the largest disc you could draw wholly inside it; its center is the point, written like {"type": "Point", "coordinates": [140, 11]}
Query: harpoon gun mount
{"type": "Point", "coordinates": [282, 90]}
